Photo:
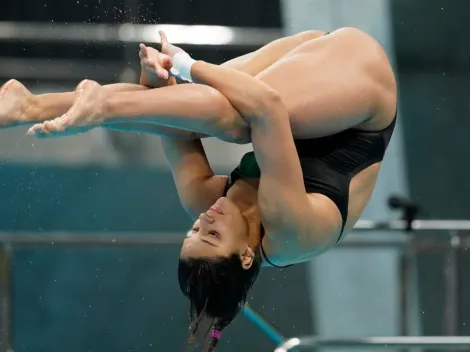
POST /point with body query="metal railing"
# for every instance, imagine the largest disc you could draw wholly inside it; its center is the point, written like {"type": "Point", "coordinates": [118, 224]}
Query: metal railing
{"type": "Point", "coordinates": [449, 343]}
{"type": "Point", "coordinates": [450, 228]}
{"type": "Point", "coordinates": [202, 35]}
{"type": "Point", "coordinates": [125, 34]}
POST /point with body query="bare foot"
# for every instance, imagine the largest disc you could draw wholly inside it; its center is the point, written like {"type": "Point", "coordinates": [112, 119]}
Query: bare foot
{"type": "Point", "coordinates": [14, 102]}
{"type": "Point", "coordinates": [155, 67]}
{"type": "Point", "coordinates": [87, 112]}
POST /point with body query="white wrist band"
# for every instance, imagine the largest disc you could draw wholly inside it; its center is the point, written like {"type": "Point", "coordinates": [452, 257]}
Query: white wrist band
{"type": "Point", "coordinates": [182, 64]}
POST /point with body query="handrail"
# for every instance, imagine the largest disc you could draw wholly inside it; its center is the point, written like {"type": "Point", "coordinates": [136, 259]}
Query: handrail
{"type": "Point", "coordinates": [147, 238]}
{"type": "Point", "coordinates": [203, 35]}
{"type": "Point", "coordinates": [455, 343]}
{"type": "Point", "coordinates": [99, 239]}
{"type": "Point", "coordinates": [415, 225]}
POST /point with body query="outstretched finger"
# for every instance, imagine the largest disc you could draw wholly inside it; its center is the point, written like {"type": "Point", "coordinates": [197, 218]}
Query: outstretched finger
{"type": "Point", "coordinates": [143, 53]}
{"type": "Point", "coordinates": [163, 39]}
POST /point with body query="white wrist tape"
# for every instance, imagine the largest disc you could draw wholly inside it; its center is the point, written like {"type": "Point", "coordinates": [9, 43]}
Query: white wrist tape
{"type": "Point", "coordinates": [182, 64]}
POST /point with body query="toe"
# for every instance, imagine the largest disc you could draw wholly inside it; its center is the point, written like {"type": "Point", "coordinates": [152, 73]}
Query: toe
{"type": "Point", "coordinates": [35, 128]}
{"type": "Point", "coordinates": [54, 126]}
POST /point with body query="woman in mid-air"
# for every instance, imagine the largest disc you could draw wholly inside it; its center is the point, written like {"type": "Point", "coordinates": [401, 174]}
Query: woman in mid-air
{"type": "Point", "coordinates": [319, 110]}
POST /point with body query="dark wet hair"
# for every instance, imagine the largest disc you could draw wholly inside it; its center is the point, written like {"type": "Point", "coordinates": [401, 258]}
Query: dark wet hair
{"type": "Point", "coordinates": [217, 289]}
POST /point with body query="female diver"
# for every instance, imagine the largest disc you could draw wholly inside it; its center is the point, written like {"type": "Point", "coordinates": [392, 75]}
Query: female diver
{"type": "Point", "coordinates": [319, 111]}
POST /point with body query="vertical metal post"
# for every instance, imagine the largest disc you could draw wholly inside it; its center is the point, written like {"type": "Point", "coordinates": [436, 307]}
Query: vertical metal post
{"type": "Point", "coordinates": [404, 291]}
{"type": "Point", "coordinates": [409, 299]}
{"type": "Point", "coordinates": [4, 299]}
{"type": "Point", "coordinates": [407, 293]}
{"type": "Point", "coordinates": [452, 287]}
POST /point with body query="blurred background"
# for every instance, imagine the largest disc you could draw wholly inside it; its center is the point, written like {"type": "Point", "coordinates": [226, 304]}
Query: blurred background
{"type": "Point", "coordinates": [109, 184]}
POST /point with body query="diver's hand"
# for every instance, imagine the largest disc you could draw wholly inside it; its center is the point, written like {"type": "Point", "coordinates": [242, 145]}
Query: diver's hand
{"type": "Point", "coordinates": [167, 48]}
{"type": "Point", "coordinates": [182, 61]}
{"type": "Point", "coordinates": [155, 67]}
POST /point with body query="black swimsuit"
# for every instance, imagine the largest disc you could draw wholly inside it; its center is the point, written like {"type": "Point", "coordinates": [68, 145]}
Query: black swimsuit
{"type": "Point", "coordinates": [328, 164]}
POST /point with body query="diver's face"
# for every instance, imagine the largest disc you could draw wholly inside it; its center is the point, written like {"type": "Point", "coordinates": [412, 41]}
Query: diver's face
{"type": "Point", "coordinates": [220, 231]}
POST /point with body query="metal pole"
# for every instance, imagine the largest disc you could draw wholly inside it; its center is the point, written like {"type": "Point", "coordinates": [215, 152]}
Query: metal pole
{"type": "Point", "coordinates": [263, 325]}
{"type": "Point", "coordinates": [452, 294]}
{"type": "Point", "coordinates": [408, 292]}
{"type": "Point", "coordinates": [4, 299]}
{"type": "Point", "coordinates": [454, 343]}
{"type": "Point", "coordinates": [404, 291]}
{"type": "Point", "coordinates": [201, 35]}
{"type": "Point", "coordinates": [416, 225]}
{"type": "Point", "coordinates": [139, 239]}
{"type": "Point", "coordinates": [125, 238]}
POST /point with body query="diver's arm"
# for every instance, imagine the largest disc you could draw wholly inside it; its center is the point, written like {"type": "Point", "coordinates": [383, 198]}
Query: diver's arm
{"type": "Point", "coordinates": [295, 226]}
{"type": "Point", "coordinates": [198, 187]}
{"type": "Point", "coordinates": [282, 195]}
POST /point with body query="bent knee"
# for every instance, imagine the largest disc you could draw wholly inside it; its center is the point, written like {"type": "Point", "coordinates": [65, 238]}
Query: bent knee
{"type": "Point", "coordinates": [350, 31]}
{"type": "Point", "coordinates": [345, 39]}
{"type": "Point", "coordinates": [359, 46]}
{"type": "Point", "coordinates": [354, 36]}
